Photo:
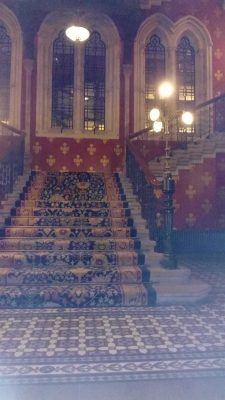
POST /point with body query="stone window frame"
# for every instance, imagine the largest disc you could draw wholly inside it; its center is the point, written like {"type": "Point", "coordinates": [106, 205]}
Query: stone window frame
{"type": "Point", "coordinates": [12, 25]}
{"type": "Point", "coordinates": [170, 34]}
{"type": "Point", "coordinates": [49, 29]}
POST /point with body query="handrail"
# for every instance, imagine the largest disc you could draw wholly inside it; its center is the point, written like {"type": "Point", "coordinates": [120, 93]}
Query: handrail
{"type": "Point", "coordinates": [12, 142]}
{"type": "Point", "coordinates": [210, 101]}
{"type": "Point", "coordinates": [214, 101]}
{"type": "Point", "coordinates": [12, 129]}
{"type": "Point", "coordinates": [150, 178]}
{"type": "Point", "coordinates": [138, 133]}
{"type": "Point", "coordinates": [142, 148]}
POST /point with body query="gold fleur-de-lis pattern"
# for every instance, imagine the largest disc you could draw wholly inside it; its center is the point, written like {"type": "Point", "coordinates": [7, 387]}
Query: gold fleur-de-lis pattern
{"type": "Point", "coordinates": [104, 161]}
{"type": "Point", "coordinates": [50, 160]}
{"type": "Point", "coordinates": [37, 148]}
{"type": "Point", "coordinates": [64, 148]}
{"type": "Point", "coordinates": [91, 149]}
{"type": "Point", "coordinates": [78, 160]}
{"type": "Point", "coordinates": [70, 154]}
{"type": "Point", "coordinates": [118, 150]}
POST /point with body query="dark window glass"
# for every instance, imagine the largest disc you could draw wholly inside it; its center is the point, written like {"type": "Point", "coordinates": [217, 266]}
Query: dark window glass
{"type": "Point", "coordinates": [5, 66]}
{"type": "Point", "coordinates": [154, 72]}
{"type": "Point", "coordinates": [185, 74]}
{"type": "Point", "coordinates": [62, 82]}
{"type": "Point", "coordinates": [94, 83]}
{"type": "Point", "coordinates": [185, 77]}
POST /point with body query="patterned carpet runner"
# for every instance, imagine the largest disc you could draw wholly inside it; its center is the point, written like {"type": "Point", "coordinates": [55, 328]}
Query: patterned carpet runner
{"type": "Point", "coordinates": [70, 242]}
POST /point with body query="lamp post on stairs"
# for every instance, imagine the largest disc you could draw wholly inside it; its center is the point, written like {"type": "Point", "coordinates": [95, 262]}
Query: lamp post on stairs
{"type": "Point", "coordinates": [161, 121]}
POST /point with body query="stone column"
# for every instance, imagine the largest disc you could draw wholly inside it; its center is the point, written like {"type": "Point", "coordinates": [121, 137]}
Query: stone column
{"type": "Point", "coordinates": [28, 67]}
{"type": "Point", "coordinates": [127, 70]}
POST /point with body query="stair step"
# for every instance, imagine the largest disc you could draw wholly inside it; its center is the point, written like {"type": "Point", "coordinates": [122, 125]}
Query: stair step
{"type": "Point", "coordinates": [79, 275]}
{"type": "Point", "coordinates": [20, 259]}
{"type": "Point", "coordinates": [104, 244]}
{"type": "Point", "coordinates": [99, 295]}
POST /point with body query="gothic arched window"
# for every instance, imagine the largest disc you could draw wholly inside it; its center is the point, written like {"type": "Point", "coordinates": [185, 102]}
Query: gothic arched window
{"type": "Point", "coordinates": [78, 84]}
{"type": "Point", "coordinates": [5, 68]}
{"type": "Point", "coordinates": [62, 82]}
{"type": "Point", "coordinates": [154, 71]}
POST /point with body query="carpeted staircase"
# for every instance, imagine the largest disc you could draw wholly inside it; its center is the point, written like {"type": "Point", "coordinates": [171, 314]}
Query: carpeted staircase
{"type": "Point", "coordinates": [70, 242]}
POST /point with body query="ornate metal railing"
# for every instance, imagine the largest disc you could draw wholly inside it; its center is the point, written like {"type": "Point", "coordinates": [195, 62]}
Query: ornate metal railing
{"type": "Point", "coordinates": [146, 187]}
{"type": "Point", "coordinates": [144, 145]}
{"type": "Point", "coordinates": [11, 157]}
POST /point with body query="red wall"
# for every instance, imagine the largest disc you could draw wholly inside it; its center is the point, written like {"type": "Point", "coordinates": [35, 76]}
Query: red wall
{"type": "Point", "coordinates": [197, 189]}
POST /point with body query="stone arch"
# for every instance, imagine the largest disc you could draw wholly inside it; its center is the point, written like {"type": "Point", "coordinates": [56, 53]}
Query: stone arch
{"type": "Point", "coordinates": [49, 29]}
{"type": "Point", "coordinates": [13, 27]}
{"type": "Point", "coordinates": [170, 33]}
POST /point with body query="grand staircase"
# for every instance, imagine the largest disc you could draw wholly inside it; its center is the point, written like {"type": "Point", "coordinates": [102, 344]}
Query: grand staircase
{"type": "Point", "coordinates": [69, 241]}
{"type": "Point", "coordinates": [196, 151]}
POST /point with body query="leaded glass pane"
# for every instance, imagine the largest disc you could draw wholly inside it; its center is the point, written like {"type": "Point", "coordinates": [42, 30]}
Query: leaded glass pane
{"type": "Point", "coordinates": [154, 72]}
{"type": "Point", "coordinates": [62, 82]}
{"type": "Point", "coordinates": [94, 83]}
{"type": "Point", "coordinates": [5, 67]}
{"type": "Point", "coordinates": [185, 75]}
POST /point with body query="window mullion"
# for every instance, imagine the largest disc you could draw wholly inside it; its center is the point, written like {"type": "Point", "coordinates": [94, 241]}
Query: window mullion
{"type": "Point", "coordinates": [79, 89]}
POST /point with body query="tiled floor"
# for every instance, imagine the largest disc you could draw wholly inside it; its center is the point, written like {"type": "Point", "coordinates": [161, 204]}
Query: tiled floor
{"type": "Point", "coordinates": [119, 345]}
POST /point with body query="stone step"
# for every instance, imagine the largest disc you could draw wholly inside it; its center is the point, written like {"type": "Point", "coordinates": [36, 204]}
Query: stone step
{"type": "Point", "coordinates": [188, 292]}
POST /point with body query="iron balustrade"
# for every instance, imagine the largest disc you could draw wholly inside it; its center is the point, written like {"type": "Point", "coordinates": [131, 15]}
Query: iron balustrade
{"type": "Point", "coordinates": [11, 157]}
{"type": "Point", "coordinates": [143, 146]}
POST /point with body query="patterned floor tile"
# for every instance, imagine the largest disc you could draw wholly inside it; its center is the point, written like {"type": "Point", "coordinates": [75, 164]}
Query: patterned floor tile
{"type": "Point", "coordinates": [67, 345]}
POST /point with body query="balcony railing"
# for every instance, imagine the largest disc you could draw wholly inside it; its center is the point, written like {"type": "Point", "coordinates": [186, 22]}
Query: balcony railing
{"type": "Point", "coordinates": [11, 157]}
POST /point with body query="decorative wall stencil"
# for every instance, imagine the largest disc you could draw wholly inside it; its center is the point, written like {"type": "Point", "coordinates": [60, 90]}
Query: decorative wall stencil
{"type": "Point", "coordinates": [63, 169]}
{"type": "Point", "coordinates": [118, 150]}
{"type": "Point", "coordinates": [37, 147]}
{"type": "Point", "coordinates": [51, 160]}
{"type": "Point", "coordinates": [190, 192]}
{"type": "Point", "coordinates": [218, 75]}
{"type": "Point", "coordinates": [104, 161]}
{"type": "Point", "coordinates": [206, 206]}
{"type": "Point", "coordinates": [218, 54]}
{"type": "Point", "coordinates": [91, 149]}
{"type": "Point", "coordinates": [79, 156]}
{"type": "Point", "coordinates": [191, 220]}
{"type": "Point", "coordinates": [206, 178]}
{"type": "Point", "coordinates": [64, 148]}
{"type": "Point", "coordinates": [78, 160]}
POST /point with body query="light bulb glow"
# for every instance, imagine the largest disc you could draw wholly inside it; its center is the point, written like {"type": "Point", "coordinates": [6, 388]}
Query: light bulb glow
{"type": "Point", "coordinates": [187, 118]}
{"type": "Point", "coordinates": [166, 90]}
{"type": "Point", "coordinates": [154, 114]}
{"type": "Point", "coordinates": [157, 126]}
{"type": "Point", "coordinates": [77, 33]}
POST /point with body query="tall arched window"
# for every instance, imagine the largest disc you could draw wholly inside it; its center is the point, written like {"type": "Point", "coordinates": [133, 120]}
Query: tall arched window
{"type": "Point", "coordinates": [154, 72]}
{"type": "Point", "coordinates": [94, 83]}
{"type": "Point", "coordinates": [185, 75]}
{"type": "Point", "coordinates": [186, 46]}
{"type": "Point", "coordinates": [11, 55]}
{"type": "Point", "coordinates": [78, 84]}
{"type": "Point", "coordinates": [62, 82]}
{"type": "Point", "coordinates": [5, 67]}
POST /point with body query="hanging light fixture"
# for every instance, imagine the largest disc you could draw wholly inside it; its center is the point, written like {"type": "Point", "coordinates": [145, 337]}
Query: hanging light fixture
{"type": "Point", "coordinates": [77, 33]}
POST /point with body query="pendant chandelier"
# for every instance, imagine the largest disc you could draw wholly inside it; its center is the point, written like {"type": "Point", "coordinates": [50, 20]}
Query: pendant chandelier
{"type": "Point", "coordinates": [77, 33]}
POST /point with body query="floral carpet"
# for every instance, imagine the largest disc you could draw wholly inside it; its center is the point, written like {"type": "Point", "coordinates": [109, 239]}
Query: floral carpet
{"type": "Point", "coordinates": [70, 242]}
